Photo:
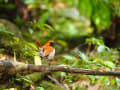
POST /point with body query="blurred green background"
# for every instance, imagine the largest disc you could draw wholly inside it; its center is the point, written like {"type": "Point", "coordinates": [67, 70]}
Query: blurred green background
{"type": "Point", "coordinates": [86, 32]}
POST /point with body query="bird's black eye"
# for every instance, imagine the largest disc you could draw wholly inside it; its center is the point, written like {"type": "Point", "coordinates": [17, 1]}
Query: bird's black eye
{"type": "Point", "coordinates": [52, 44]}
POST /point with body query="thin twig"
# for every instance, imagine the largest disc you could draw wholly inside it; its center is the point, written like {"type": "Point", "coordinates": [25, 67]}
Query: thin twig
{"type": "Point", "coordinates": [56, 81]}
{"type": "Point", "coordinates": [88, 49]}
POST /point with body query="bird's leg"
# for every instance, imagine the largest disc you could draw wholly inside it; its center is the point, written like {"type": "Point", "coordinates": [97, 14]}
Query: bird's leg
{"type": "Point", "coordinates": [49, 62]}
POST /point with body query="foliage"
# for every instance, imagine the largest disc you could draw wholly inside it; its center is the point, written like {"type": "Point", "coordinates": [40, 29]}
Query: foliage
{"type": "Point", "coordinates": [76, 26]}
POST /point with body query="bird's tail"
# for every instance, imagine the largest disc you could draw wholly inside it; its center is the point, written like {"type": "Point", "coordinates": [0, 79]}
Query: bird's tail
{"type": "Point", "coordinates": [38, 43]}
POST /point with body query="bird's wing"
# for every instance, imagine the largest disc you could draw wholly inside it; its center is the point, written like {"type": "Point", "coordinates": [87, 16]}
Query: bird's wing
{"type": "Point", "coordinates": [47, 50]}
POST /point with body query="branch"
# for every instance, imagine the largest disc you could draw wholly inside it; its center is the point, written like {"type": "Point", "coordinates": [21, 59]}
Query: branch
{"type": "Point", "coordinates": [11, 67]}
{"type": "Point", "coordinates": [57, 82]}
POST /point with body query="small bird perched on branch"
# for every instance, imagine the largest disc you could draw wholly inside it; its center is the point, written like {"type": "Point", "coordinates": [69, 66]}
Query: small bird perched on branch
{"type": "Point", "coordinates": [47, 51]}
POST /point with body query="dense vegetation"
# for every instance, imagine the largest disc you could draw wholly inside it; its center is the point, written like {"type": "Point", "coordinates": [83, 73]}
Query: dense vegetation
{"type": "Point", "coordinates": [86, 32]}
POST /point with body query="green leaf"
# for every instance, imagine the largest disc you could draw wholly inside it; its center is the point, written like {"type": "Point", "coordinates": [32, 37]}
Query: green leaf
{"type": "Point", "coordinates": [95, 41]}
{"type": "Point", "coordinates": [83, 56]}
{"type": "Point", "coordinates": [49, 27]}
{"type": "Point", "coordinates": [69, 57]}
{"type": "Point", "coordinates": [40, 88]}
{"type": "Point", "coordinates": [109, 64]}
{"type": "Point", "coordinates": [31, 45]}
{"type": "Point", "coordinates": [30, 30]}
{"type": "Point", "coordinates": [29, 1]}
{"type": "Point", "coordinates": [107, 83]}
{"type": "Point", "coordinates": [63, 43]}
{"type": "Point", "coordinates": [117, 81]}
{"type": "Point", "coordinates": [112, 81]}
{"type": "Point", "coordinates": [101, 48]}
{"type": "Point", "coordinates": [43, 19]}
{"type": "Point", "coordinates": [37, 60]}
{"type": "Point", "coordinates": [27, 80]}
{"type": "Point", "coordinates": [92, 78]}
{"type": "Point", "coordinates": [63, 74]}
{"type": "Point", "coordinates": [6, 32]}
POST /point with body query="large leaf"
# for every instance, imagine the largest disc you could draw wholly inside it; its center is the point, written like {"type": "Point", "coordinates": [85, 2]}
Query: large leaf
{"type": "Point", "coordinates": [118, 81]}
{"type": "Point", "coordinates": [40, 88]}
{"type": "Point", "coordinates": [109, 64]}
{"type": "Point", "coordinates": [69, 57]}
{"type": "Point", "coordinates": [84, 57]}
{"type": "Point", "coordinates": [37, 60]}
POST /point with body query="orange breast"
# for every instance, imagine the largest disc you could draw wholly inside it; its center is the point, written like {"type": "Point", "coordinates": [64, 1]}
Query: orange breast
{"type": "Point", "coordinates": [47, 50]}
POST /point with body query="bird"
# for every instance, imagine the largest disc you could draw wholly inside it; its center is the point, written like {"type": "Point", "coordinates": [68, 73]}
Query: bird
{"type": "Point", "coordinates": [46, 51]}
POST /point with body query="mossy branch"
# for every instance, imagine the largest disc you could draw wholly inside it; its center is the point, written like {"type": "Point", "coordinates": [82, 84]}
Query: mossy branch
{"type": "Point", "coordinates": [11, 67]}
